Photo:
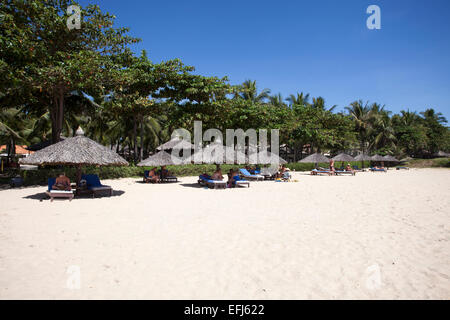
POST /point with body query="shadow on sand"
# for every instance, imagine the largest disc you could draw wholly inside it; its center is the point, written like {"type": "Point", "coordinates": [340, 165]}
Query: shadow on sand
{"type": "Point", "coordinates": [193, 185]}
{"type": "Point", "coordinates": [41, 196]}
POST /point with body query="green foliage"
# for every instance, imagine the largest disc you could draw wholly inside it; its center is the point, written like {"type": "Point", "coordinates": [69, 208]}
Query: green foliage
{"type": "Point", "coordinates": [53, 79]}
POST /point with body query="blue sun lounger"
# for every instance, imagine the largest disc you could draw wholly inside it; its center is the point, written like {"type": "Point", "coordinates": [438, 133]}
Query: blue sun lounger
{"type": "Point", "coordinates": [315, 172]}
{"type": "Point", "coordinates": [248, 175]}
{"type": "Point", "coordinates": [377, 170]}
{"type": "Point", "coordinates": [238, 181]}
{"type": "Point", "coordinates": [94, 185]}
{"type": "Point", "coordinates": [207, 181]}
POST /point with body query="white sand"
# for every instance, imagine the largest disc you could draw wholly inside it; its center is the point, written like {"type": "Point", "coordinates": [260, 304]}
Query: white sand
{"type": "Point", "coordinates": [371, 236]}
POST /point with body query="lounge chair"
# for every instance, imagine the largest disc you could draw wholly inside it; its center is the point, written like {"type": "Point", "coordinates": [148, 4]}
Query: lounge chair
{"type": "Point", "coordinates": [207, 181]}
{"type": "Point", "coordinates": [378, 170]}
{"type": "Point", "coordinates": [168, 179]}
{"type": "Point", "coordinates": [94, 185]}
{"type": "Point", "coordinates": [358, 169]}
{"type": "Point", "coordinates": [315, 172]}
{"type": "Point", "coordinates": [238, 181]}
{"type": "Point", "coordinates": [339, 172]}
{"type": "Point", "coordinates": [248, 175]}
{"type": "Point", "coordinates": [268, 174]}
{"type": "Point", "coordinates": [402, 168]}
{"type": "Point", "coordinates": [57, 193]}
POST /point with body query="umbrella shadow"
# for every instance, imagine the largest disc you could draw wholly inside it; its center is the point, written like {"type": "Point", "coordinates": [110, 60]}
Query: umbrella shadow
{"type": "Point", "coordinates": [167, 182]}
{"type": "Point", "coordinates": [41, 196]}
{"type": "Point", "coordinates": [193, 185]}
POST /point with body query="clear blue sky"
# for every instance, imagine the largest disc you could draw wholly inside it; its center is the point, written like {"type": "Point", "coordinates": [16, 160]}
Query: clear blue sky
{"type": "Point", "coordinates": [320, 47]}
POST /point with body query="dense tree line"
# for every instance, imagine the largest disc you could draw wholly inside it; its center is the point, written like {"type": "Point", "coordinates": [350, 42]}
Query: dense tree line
{"type": "Point", "coordinates": [54, 79]}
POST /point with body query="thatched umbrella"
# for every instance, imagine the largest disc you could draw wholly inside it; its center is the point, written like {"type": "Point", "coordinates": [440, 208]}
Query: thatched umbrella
{"type": "Point", "coordinates": [344, 158]}
{"type": "Point", "coordinates": [377, 157]}
{"type": "Point", "coordinates": [211, 154]}
{"type": "Point", "coordinates": [77, 151]}
{"type": "Point", "coordinates": [175, 143]}
{"type": "Point", "coordinates": [441, 154]}
{"type": "Point", "coordinates": [389, 158]}
{"type": "Point", "coordinates": [363, 157]}
{"type": "Point", "coordinates": [315, 158]}
{"type": "Point", "coordinates": [406, 159]}
{"type": "Point", "coordinates": [267, 157]}
{"type": "Point", "coordinates": [159, 159]}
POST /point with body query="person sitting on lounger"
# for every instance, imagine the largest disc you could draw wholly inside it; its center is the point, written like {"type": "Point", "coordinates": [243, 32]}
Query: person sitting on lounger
{"type": "Point", "coordinates": [348, 167]}
{"type": "Point", "coordinates": [217, 175]}
{"type": "Point", "coordinates": [62, 183]}
{"type": "Point", "coordinates": [164, 173]}
{"type": "Point", "coordinates": [152, 176]}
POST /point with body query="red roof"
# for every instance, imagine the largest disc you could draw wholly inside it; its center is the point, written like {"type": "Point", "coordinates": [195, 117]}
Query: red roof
{"type": "Point", "coordinates": [19, 149]}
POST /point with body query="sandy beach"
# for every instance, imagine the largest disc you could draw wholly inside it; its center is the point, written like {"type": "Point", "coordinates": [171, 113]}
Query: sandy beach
{"type": "Point", "coordinates": [372, 236]}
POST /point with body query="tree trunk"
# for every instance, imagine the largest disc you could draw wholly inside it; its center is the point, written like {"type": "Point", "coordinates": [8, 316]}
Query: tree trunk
{"type": "Point", "coordinates": [141, 151]}
{"type": "Point", "coordinates": [57, 115]}
{"type": "Point", "coordinates": [135, 138]}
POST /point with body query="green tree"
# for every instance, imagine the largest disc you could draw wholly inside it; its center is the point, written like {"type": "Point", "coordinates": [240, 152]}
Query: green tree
{"type": "Point", "coordinates": [44, 61]}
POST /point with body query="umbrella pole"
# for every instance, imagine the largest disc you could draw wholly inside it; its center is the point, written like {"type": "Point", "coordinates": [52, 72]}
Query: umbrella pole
{"type": "Point", "coordinates": [78, 174]}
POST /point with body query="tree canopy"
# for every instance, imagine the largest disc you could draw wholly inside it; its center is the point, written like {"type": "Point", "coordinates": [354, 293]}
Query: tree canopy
{"type": "Point", "coordinates": [54, 79]}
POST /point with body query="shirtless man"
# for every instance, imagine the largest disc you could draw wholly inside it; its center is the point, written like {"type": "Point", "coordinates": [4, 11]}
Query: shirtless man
{"type": "Point", "coordinates": [62, 183]}
{"type": "Point", "coordinates": [217, 175]}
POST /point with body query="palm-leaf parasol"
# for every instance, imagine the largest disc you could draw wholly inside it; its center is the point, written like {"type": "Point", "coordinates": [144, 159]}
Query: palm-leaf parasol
{"type": "Point", "coordinates": [77, 151]}
{"type": "Point", "coordinates": [159, 159]}
{"type": "Point", "coordinates": [175, 143]}
{"type": "Point", "coordinates": [315, 158]}
{"type": "Point", "coordinates": [377, 157]}
{"type": "Point", "coordinates": [344, 158]}
{"type": "Point", "coordinates": [389, 158]}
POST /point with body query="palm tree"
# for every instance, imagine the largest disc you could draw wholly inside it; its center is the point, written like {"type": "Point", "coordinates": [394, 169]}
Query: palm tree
{"type": "Point", "coordinates": [430, 114]}
{"type": "Point", "coordinates": [319, 103]}
{"type": "Point", "coordinates": [249, 91]}
{"type": "Point", "coordinates": [277, 100]}
{"type": "Point", "coordinates": [361, 115]}
{"type": "Point", "coordinates": [408, 118]}
{"type": "Point", "coordinates": [299, 99]}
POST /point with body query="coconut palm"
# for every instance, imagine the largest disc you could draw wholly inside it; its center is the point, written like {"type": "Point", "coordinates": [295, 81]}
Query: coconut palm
{"type": "Point", "coordinates": [361, 115]}
{"type": "Point", "coordinates": [299, 99]}
{"type": "Point", "coordinates": [249, 91]}
{"type": "Point", "coordinates": [277, 100]}
{"type": "Point", "coordinates": [319, 103]}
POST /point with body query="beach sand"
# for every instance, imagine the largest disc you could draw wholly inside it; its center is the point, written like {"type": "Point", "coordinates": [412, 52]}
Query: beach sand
{"type": "Point", "coordinates": [372, 236]}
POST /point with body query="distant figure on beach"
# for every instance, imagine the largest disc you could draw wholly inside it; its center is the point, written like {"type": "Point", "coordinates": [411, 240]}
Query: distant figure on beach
{"type": "Point", "coordinates": [331, 165]}
{"type": "Point", "coordinates": [217, 175]}
{"type": "Point", "coordinates": [62, 183]}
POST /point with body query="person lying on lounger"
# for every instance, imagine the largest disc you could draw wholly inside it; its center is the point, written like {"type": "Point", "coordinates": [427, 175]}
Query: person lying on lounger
{"type": "Point", "coordinates": [62, 183]}
{"type": "Point", "coordinates": [217, 175]}
{"type": "Point", "coordinates": [231, 175]}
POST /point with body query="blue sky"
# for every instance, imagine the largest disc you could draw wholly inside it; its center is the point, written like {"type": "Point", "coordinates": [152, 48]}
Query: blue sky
{"type": "Point", "coordinates": [319, 47]}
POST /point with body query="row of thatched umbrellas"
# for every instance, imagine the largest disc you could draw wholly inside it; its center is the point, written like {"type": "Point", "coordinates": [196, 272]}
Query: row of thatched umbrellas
{"type": "Point", "coordinates": [81, 151]}
{"type": "Point", "coordinates": [317, 157]}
